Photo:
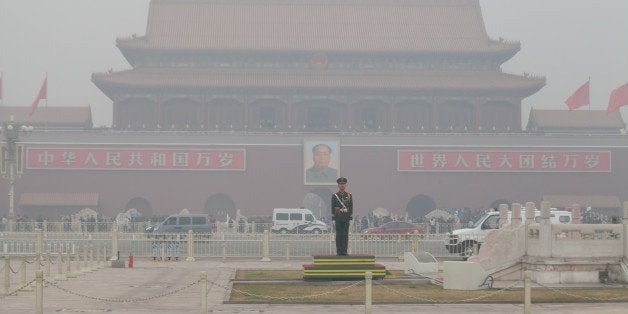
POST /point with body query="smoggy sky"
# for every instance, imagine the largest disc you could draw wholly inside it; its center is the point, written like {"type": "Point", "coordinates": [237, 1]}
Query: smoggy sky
{"type": "Point", "coordinates": [567, 41]}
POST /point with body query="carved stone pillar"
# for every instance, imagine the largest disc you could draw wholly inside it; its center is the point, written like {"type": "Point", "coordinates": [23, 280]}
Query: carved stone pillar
{"type": "Point", "coordinates": [515, 219]}
{"type": "Point", "coordinates": [545, 231]}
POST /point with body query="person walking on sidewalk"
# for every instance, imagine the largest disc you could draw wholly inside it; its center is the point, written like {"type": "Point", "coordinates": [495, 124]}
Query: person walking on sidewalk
{"type": "Point", "coordinates": [342, 213]}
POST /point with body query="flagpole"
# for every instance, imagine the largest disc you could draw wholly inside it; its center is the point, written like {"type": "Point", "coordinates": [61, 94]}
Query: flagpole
{"type": "Point", "coordinates": [1, 91]}
{"type": "Point", "coordinates": [589, 122]}
{"type": "Point", "coordinates": [46, 103]}
{"type": "Point", "coordinates": [589, 93]}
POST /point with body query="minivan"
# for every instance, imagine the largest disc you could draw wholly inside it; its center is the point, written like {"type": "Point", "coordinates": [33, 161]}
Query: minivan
{"type": "Point", "coordinates": [181, 223]}
{"type": "Point", "coordinates": [296, 220]}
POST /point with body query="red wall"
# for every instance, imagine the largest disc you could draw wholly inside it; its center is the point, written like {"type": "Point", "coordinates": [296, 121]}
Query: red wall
{"type": "Point", "coordinates": [274, 178]}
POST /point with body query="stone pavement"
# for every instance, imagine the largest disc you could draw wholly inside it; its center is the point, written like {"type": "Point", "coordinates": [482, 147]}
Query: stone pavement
{"type": "Point", "coordinates": [135, 290]}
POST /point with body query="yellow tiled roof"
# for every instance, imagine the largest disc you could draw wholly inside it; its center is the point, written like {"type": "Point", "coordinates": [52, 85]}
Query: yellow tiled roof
{"type": "Point", "coordinates": [575, 119]}
{"type": "Point", "coordinates": [79, 116]}
{"type": "Point", "coordinates": [318, 25]}
{"type": "Point", "coordinates": [331, 79]}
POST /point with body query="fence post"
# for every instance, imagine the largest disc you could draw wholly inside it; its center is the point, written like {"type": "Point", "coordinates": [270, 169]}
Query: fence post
{"type": "Point", "coordinates": [48, 264]}
{"type": "Point", "coordinates": [350, 243]}
{"type": "Point", "coordinates": [527, 301]}
{"type": "Point", "coordinates": [7, 274]}
{"type": "Point", "coordinates": [24, 270]}
{"type": "Point", "coordinates": [24, 286]}
{"type": "Point", "coordinates": [415, 241]}
{"type": "Point", "coordinates": [287, 254]}
{"type": "Point", "coordinates": [368, 283]}
{"type": "Point", "coordinates": [77, 261]}
{"type": "Point", "coordinates": [163, 252]}
{"type": "Point", "coordinates": [203, 292]}
{"type": "Point", "coordinates": [625, 224]}
{"type": "Point", "coordinates": [86, 259]}
{"type": "Point", "coordinates": [224, 251]}
{"type": "Point", "coordinates": [89, 256]}
{"type": "Point", "coordinates": [68, 271]}
{"type": "Point", "coordinates": [97, 264]}
{"type": "Point", "coordinates": [40, 246]}
{"type": "Point", "coordinates": [60, 275]}
{"type": "Point", "coordinates": [39, 299]}
{"type": "Point", "coordinates": [114, 243]}
{"type": "Point", "coordinates": [104, 255]}
{"type": "Point", "coordinates": [265, 246]}
{"type": "Point", "coordinates": [190, 257]}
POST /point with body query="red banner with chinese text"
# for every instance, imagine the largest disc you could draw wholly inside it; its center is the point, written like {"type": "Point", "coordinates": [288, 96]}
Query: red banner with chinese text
{"type": "Point", "coordinates": [503, 161]}
{"type": "Point", "coordinates": [136, 159]}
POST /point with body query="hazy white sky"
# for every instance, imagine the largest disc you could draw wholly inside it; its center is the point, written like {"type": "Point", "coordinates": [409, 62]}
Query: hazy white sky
{"type": "Point", "coordinates": [566, 41]}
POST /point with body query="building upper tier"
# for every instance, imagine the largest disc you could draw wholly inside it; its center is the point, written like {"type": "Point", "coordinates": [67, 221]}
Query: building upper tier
{"type": "Point", "coordinates": [440, 27]}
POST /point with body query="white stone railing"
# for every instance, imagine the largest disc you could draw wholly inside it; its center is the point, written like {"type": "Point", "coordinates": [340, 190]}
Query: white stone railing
{"type": "Point", "coordinates": [584, 232]}
{"type": "Point", "coordinates": [576, 241]}
{"type": "Point", "coordinates": [524, 238]}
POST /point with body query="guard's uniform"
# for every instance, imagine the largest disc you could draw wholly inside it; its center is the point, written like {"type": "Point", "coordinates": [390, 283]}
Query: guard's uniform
{"type": "Point", "coordinates": [342, 217]}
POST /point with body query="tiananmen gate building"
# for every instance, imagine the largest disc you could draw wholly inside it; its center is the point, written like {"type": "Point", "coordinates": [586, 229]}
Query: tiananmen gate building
{"type": "Point", "coordinates": [226, 101]}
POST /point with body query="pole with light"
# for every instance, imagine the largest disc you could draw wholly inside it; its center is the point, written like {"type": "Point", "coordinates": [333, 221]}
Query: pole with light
{"type": "Point", "coordinates": [12, 161]}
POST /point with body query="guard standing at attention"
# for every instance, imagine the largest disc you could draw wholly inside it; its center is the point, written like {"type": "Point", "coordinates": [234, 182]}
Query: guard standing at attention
{"type": "Point", "coordinates": [342, 213]}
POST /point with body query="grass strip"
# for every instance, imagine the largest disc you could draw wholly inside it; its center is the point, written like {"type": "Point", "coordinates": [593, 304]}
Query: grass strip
{"type": "Point", "coordinates": [383, 292]}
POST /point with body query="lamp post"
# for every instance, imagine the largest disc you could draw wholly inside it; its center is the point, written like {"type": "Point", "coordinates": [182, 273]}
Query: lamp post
{"type": "Point", "coordinates": [12, 161]}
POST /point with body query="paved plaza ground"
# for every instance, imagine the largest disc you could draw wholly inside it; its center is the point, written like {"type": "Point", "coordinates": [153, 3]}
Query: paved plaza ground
{"type": "Point", "coordinates": [141, 289]}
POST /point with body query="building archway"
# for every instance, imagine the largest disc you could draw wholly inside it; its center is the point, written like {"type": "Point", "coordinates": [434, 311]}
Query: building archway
{"type": "Point", "coordinates": [455, 115]}
{"type": "Point", "coordinates": [420, 205]}
{"type": "Point", "coordinates": [412, 116]}
{"type": "Point", "coordinates": [267, 114]}
{"type": "Point", "coordinates": [182, 114]}
{"type": "Point", "coordinates": [319, 115]}
{"type": "Point", "coordinates": [135, 113]}
{"type": "Point", "coordinates": [219, 206]}
{"type": "Point", "coordinates": [225, 114]}
{"type": "Point", "coordinates": [371, 115]}
{"type": "Point", "coordinates": [141, 205]}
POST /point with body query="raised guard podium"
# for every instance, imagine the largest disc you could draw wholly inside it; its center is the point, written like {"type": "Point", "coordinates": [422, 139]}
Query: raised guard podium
{"type": "Point", "coordinates": [335, 267]}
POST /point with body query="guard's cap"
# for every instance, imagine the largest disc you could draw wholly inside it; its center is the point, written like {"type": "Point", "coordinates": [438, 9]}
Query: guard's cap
{"type": "Point", "coordinates": [341, 180]}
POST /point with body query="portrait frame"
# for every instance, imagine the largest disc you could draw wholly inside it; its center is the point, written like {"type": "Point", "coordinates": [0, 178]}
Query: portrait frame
{"type": "Point", "coordinates": [327, 176]}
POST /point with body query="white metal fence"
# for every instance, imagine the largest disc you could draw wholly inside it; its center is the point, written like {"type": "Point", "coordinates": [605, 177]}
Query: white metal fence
{"type": "Point", "coordinates": [221, 245]}
{"type": "Point", "coordinates": [218, 227]}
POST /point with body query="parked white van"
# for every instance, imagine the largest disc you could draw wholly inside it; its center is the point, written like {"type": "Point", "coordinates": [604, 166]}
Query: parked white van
{"type": "Point", "coordinates": [462, 241]}
{"type": "Point", "coordinates": [296, 220]}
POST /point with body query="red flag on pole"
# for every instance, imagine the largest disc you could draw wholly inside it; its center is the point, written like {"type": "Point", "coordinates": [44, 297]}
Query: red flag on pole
{"type": "Point", "coordinates": [579, 98]}
{"type": "Point", "coordinates": [619, 97]}
{"type": "Point", "coordinates": [43, 92]}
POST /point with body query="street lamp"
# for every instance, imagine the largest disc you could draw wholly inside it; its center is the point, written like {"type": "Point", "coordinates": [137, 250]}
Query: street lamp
{"type": "Point", "coordinates": [12, 161]}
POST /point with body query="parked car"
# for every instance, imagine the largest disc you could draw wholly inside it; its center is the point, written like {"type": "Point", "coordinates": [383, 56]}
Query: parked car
{"type": "Point", "coordinates": [395, 227]}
